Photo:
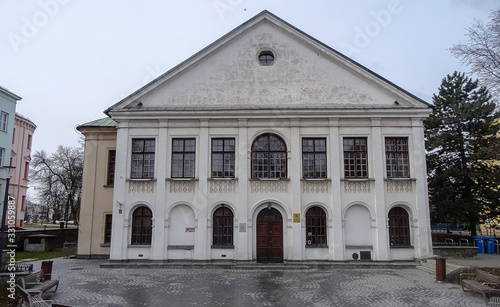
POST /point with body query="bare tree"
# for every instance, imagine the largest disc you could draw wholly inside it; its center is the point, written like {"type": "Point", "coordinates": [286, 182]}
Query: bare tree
{"type": "Point", "coordinates": [482, 52]}
{"type": "Point", "coordinates": [58, 178]}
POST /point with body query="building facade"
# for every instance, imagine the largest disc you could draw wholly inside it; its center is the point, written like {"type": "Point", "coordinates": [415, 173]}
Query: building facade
{"type": "Point", "coordinates": [8, 101]}
{"type": "Point", "coordinates": [22, 137]}
{"type": "Point", "coordinates": [265, 146]}
{"type": "Point", "coordinates": [97, 190]}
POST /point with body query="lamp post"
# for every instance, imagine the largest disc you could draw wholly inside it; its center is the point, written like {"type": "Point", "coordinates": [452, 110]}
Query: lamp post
{"type": "Point", "coordinates": [4, 209]}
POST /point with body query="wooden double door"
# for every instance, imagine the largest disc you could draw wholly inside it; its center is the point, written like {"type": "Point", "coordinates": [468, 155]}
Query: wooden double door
{"type": "Point", "coordinates": [269, 236]}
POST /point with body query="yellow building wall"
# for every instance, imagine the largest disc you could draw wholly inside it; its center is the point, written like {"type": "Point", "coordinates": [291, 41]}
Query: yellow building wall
{"type": "Point", "coordinates": [97, 197]}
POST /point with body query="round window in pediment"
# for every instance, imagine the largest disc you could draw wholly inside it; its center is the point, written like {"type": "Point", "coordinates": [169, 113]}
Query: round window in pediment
{"type": "Point", "coordinates": [266, 58]}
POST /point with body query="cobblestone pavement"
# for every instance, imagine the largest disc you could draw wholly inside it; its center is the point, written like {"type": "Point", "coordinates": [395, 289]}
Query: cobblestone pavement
{"type": "Point", "coordinates": [84, 283]}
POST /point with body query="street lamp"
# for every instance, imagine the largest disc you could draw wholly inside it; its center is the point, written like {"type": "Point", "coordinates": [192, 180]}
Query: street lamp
{"type": "Point", "coordinates": [4, 213]}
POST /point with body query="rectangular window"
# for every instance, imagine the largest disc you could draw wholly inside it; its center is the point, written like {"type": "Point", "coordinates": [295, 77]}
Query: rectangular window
{"type": "Point", "coordinates": [29, 142]}
{"type": "Point", "coordinates": [223, 155]}
{"type": "Point", "coordinates": [107, 228]}
{"type": "Point", "coordinates": [183, 158]}
{"type": "Point", "coordinates": [13, 135]}
{"type": "Point", "coordinates": [143, 158]}
{"type": "Point", "coordinates": [23, 203]}
{"type": "Point", "coordinates": [396, 157]}
{"type": "Point", "coordinates": [26, 170]}
{"type": "Point", "coordinates": [355, 158]}
{"type": "Point", "coordinates": [4, 121]}
{"type": "Point", "coordinates": [314, 157]}
{"type": "Point", "coordinates": [2, 152]}
{"type": "Point", "coordinates": [111, 167]}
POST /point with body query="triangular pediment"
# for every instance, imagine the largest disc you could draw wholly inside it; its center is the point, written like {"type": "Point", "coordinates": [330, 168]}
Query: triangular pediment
{"type": "Point", "coordinates": [304, 74]}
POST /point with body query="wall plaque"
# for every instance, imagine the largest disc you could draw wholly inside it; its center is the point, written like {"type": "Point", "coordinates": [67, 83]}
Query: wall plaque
{"type": "Point", "coordinates": [296, 217]}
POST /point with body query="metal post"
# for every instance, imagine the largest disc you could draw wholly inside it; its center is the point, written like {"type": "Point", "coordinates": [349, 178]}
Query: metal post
{"type": "Point", "coordinates": [2, 227]}
{"type": "Point", "coordinates": [440, 269]}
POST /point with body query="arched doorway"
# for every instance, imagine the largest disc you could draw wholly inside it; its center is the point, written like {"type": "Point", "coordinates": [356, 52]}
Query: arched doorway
{"type": "Point", "coordinates": [269, 235]}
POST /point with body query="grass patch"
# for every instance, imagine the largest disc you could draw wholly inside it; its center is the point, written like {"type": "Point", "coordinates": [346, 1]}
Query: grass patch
{"type": "Point", "coordinates": [58, 253]}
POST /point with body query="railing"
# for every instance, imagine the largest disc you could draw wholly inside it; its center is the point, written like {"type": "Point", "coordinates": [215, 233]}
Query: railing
{"type": "Point", "coordinates": [497, 246]}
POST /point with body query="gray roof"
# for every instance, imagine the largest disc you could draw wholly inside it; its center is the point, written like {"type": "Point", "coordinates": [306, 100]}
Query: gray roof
{"type": "Point", "coordinates": [103, 122]}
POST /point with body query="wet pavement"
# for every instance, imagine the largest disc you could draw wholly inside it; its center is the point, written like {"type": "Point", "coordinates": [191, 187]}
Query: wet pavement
{"type": "Point", "coordinates": [84, 283]}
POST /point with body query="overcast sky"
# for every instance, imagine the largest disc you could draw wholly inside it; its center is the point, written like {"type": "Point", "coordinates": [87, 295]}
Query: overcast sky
{"type": "Point", "coordinates": [69, 60]}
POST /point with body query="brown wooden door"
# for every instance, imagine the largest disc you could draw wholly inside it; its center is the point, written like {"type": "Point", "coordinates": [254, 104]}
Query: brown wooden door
{"type": "Point", "coordinates": [269, 236]}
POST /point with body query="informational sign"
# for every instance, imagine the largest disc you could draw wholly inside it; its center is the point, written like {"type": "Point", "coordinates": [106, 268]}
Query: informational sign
{"type": "Point", "coordinates": [296, 217]}
{"type": "Point", "coordinates": [190, 229]}
{"type": "Point", "coordinates": [243, 227]}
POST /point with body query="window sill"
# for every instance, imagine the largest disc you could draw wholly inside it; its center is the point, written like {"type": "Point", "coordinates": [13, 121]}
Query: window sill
{"type": "Point", "coordinates": [181, 179]}
{"type": "Point", "coordinates": [139, 245]}
{"type": "Point", "coordinates": [315, 179]}
{"type": "Point", "coordinates": [223, 178]}
{"type": "Point", "coordinates": [140, 179]}
{"type": "Point", "coordinates": [108, 186]}
{"type": "Point", "coordinates": [400, 179]}
{"type": "Point", "coordinates": [269, 179]}
{"type": "Point", "coordinates": [223, 246]}
{"type": "Point", "coordinates": [105, 244]}
{"type": "Point", "coordinates": [316, 246]}
{"type": "Point", "coordinates": [402, 246]}
{"type": "Point", "coordinates": [184, 247]}
{"type": "Point", "coordinates": [357, 179]}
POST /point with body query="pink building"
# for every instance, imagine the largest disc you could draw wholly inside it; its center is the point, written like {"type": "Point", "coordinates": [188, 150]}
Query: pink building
{"type": "Point", "coordinates": [20, 159]}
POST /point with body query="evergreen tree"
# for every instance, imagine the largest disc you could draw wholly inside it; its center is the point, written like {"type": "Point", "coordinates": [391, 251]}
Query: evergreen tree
{"type": "Point", "coordinates": [463, 146]}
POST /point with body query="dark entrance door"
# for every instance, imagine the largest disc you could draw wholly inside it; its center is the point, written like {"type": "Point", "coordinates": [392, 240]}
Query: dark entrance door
{"type": "Point", "coordinates": [269, 236]}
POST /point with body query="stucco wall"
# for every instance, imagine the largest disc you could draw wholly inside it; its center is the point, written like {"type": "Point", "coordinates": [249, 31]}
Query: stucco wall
{"type": "Point", "coordinates": [97, 197]}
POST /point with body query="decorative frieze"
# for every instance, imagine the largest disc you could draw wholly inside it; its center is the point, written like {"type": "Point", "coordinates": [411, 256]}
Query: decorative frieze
{"type": "Point", "coordinates": [182, 186]}
{"type": "Point", "coordinates": [141, 186]}
{"type": "Point", "coordinates": [269, 186]}
{"type": "Point", "coordinates": [223, 186]}
{"type": "Point", "coordinates": [316, 187]}
{"type": "Point", "coordinates": [399, 186]}
{"type": "Point", "coordinates": [357, 186]}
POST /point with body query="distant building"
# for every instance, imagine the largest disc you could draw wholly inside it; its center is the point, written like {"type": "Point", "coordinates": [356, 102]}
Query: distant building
{"type": "Point", "coordinates": [265, 146]}
{"type": "Point", "coordinates": [8, 101]}
{"type": "Point", "coordinates": [36, 213]}
{"type": "Point", "coordinates": [20, 159]}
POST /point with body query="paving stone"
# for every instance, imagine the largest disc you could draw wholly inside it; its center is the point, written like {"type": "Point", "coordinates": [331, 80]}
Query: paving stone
{"type": "Point", "coordinates": [84, 283]}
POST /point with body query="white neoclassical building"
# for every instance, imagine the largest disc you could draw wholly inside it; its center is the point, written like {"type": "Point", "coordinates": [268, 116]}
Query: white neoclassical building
{"type": "Point", "coordinates": [265, 146]}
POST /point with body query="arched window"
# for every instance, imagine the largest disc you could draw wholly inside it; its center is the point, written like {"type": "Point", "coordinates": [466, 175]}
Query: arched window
{"type": "Point", "coordinates": [269, 157]}
{"type": "Point", "coordinates": [141, 226]}
{"type": "Point", "coordinates": [399, 228]}
{"type": "Point", "coordinates": [223, 227]}
{"type": "Point", "coordinates": [316, 227]}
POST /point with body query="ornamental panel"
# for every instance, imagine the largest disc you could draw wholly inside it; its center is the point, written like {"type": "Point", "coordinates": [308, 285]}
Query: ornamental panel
{"type": "Point", "coordinates": [399, 186]}
{"type": "Point", "coordinates": [223, 186]}
{"type": "Point", "coordinates": [357, 186]}
{"type": "Point", "coordinates": [182, 186]}
{"type": "Point", "coordinates": [141, 186]}
{"type": "Point", "coordinates": [315, 187]}
{"type": "Point", "coordinates": [269, 186]}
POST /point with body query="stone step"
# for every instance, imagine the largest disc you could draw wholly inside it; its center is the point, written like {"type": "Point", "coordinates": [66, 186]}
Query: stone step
{"type": "Point", "coordinates": [325, 265]}
{"type": "Point", "coordinates": [429, 266]}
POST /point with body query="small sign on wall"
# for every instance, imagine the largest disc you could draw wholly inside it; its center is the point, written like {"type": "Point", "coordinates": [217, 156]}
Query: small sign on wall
{"type": "Point", "coordinates": [190, 229]}
{"type": "Point", "coordinates": [243, 227]}
{"type": "Point", "coordinates": [296, 217]}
